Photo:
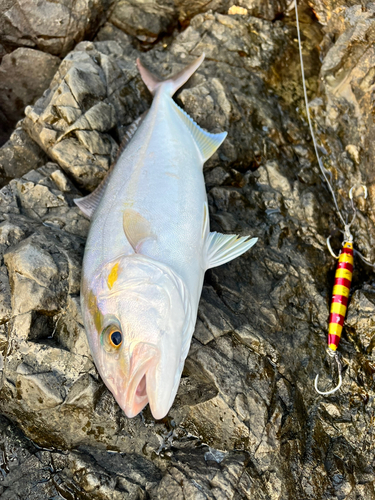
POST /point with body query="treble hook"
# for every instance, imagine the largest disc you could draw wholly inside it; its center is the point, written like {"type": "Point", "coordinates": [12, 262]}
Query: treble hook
{"type": "Point", "coordinates": [339, 368]}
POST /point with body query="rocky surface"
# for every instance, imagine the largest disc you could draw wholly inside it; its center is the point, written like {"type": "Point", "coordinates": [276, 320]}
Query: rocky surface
{"type": "Point", "coordinates": [53, 27]}
{"type": "Point", "coordinates": [246, 422]}
{"type": "Point", "coordinates": [24, 76]}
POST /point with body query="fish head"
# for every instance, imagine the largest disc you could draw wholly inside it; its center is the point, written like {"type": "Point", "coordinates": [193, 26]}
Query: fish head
{"type": "Point", "coordinates": [137, 320]}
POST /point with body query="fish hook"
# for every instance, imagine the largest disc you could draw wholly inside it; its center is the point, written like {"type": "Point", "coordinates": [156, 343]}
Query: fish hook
{"type": "Point", "coordinates": [330, 248]}
{"type": "Point", "coordinates": [354, 208]}
{"type": "Point", "coordinates": [339, 368]}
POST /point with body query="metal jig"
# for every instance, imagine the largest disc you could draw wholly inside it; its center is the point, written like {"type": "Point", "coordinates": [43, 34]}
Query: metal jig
{"type": "Point", "coordinates": [344, 270]}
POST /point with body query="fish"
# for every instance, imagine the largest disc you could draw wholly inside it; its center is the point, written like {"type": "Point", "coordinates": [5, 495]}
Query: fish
{"type": "Point", "coordinates": [148, 248]}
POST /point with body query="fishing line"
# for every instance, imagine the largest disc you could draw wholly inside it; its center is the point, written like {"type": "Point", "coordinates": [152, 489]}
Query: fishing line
{"type": "Point", "coordinates": [322, 169]}
{"type": "Point", "coordinates": [344, 269]}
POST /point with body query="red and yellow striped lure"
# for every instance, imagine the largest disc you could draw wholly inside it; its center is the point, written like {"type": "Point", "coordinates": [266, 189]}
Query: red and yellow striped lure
{"type": "Point", "coordinates": [340, 295]}
{"type": "Point", "coordinates": [339, 302]}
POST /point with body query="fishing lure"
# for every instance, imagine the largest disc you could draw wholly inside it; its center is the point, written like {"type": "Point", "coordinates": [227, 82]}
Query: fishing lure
{"type": "Point", "coordinates": [344, 269]}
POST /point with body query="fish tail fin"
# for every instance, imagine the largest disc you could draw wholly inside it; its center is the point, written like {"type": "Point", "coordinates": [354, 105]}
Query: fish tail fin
{"type": "Point", "coordinates": [172, 84]}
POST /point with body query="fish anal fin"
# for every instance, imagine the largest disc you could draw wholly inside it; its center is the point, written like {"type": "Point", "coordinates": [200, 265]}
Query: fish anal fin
{"type": "Point", "coordinates": [88, 204]}
{"type": "Point", "coordinates": [137, 229]}
{"type": "Point", "coordinates": [222, 248]}
{"type": "Point", "coordinates": [171, 84]}
{"type": "Point", "coordinates": [207, 143]}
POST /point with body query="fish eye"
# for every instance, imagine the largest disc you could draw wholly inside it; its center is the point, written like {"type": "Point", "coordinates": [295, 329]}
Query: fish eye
{"type": "Point", "coordinates": [111, 338]}
{"type": "Point", "coordinates": [115, 338]}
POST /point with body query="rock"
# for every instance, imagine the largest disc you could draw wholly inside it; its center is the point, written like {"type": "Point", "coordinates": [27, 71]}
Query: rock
{"type": "Point", "coordinates": [24, 75]}
{"type": "Point", "coordinates": [51, 27]}
{"type": "Point", "coordinates": [29, 470]}
{"type": "Point", "coordinates": [75, 122]}
{"type": "Point", "coordinates": [324, 10]}
{"type": "Point", "coordinates": [148, 21]}
{"type": "Point", "coordinates": [145, 20]}
{"type": "Point", "coordinates": [19, 155]}
{"type": "Point", "coordinates": [246, 422]}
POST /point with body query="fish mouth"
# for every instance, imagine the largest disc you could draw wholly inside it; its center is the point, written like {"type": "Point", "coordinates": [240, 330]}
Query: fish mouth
{"type": "Point", "coordinates": [144, 360]}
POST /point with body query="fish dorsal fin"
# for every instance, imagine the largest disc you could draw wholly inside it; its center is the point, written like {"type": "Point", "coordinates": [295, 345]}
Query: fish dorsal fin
{"type": "Point", "coordinates": [88, 204]}
{"type": "Point", "coordinates": [222, 248]}
{"type": "Point", "coordinates": [172, 84]}
{"type": "Point", "coordinates": [137, 229]}
{"type": "Point", "coordinates": [207, 143]}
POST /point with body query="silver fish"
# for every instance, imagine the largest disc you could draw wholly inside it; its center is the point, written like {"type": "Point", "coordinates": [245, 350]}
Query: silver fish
{"type": "Point", "coordinates": [148, 248]}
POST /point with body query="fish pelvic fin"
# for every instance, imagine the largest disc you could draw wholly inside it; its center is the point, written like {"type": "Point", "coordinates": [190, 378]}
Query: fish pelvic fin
{"type": "Point", "coordinates": [172, 84]}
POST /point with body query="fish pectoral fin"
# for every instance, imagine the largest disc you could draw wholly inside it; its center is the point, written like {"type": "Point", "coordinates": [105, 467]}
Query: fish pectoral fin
{"type": "Point", "coordinates": [88, 204]}
{"type": "Point", "coordinates": [206, 142]}
{"type": "Point", "coordinates": [222, 248]}
{"type": "Point", "coordinates": [137, 229]}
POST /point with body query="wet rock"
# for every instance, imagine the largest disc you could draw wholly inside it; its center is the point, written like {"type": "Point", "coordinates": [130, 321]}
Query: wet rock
{"type": "Point", "coordinates": [148, 21]}
{"type": "Point", "coordinates": [269, 9]}
{"type": "Point", "coordinates": [324, 10]}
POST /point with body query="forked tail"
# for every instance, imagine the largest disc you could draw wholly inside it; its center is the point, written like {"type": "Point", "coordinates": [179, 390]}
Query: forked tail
{"type": "Point", "coordinates": [171, 85]}
{"type": "Point", "coordinates": [206, 143]}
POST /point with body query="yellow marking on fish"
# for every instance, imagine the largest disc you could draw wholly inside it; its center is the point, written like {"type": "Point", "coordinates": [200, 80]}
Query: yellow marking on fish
{"type": "Point", "coordinates": [113, 275]}
{"type": "Point", "coordinates": [97, 316]}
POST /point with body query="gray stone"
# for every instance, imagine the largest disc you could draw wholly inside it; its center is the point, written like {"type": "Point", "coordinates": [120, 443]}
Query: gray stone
{"type": "Point", "coordinates": [86, 102]}
{"type": "Point", "coordinates": [24, 75]}
{"type": "Point", "coordinates": [146, 20]}
{"type": "Point", "coordinates": [53, 27]}
{"type": "Point", "coordinates": [19, 155]}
